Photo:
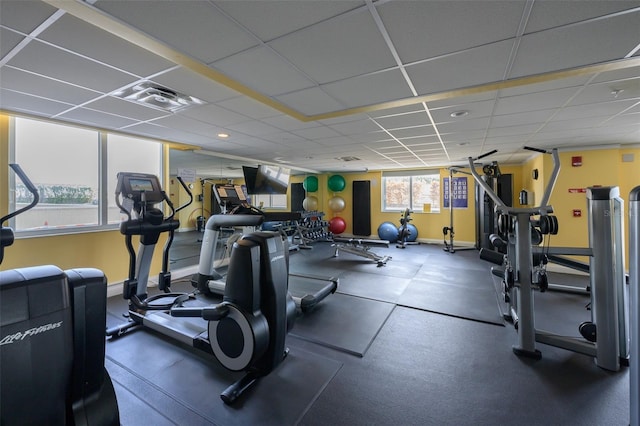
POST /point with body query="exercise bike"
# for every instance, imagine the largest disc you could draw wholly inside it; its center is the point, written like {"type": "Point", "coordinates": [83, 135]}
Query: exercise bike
{"type": "Point", "coordinates": [247, 330]}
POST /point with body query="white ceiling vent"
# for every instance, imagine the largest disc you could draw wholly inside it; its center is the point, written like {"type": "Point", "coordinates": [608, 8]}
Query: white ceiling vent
{"type": "Point", "coordinates": [348, 158]}
{"type": "Point", "coordinates": [159, 97]}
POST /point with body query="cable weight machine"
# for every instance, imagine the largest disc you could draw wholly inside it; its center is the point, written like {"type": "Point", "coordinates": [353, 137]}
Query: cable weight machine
{"type": "Point", "coordinates": [610, 347]}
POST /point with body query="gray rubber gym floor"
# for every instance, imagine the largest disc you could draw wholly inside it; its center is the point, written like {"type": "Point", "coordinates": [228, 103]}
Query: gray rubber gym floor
{"type": "Point", "coordinates": [420, 341]}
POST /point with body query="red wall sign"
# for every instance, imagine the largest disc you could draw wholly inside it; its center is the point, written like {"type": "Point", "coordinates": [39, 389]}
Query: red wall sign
{"type": "Point", "coordinates": [577, 190]}
{"type": "Point", "coordinates": [577, 213]}
{"type": "Point", "coordinates": [576, 161]}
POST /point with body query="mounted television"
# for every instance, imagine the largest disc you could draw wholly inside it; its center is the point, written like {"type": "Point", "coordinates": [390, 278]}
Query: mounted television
{"type": "Point", "coordinates": [266, 179]}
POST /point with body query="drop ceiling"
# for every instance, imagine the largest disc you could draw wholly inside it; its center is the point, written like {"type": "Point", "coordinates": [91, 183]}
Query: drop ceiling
{"type": "Point", "coordinates": [309, 84]}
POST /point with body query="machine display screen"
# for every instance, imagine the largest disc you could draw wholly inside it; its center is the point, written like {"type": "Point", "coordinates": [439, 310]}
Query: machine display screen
{"type": "Point", "coordinates": [145, 185]}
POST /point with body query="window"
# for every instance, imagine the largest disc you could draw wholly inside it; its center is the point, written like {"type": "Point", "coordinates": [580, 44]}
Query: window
{"type": "Point", "coordinates": [62, 162]}
{"type": "Point", "coordinates": [128, 154]}
{"type": "Point", "coordinates": [65, 164]}
{"type": "Point", "coordinates": [272, 201]}
{"type": "Point", "coordinates": [411, 189]}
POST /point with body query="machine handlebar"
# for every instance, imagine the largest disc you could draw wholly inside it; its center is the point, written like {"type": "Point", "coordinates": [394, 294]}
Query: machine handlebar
{"type": "Point", "coordinates": [30, 187]}
{"type": "Point", "coordinates": [543, 208]}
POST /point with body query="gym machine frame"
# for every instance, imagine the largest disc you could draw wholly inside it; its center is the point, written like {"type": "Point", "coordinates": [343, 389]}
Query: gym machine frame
{"type": "Point", "coordinates": [608, 293]}
{"type": "Point", "coordinates": [634, 276]}
{"type": "Point", "coordinates": [450, 247]}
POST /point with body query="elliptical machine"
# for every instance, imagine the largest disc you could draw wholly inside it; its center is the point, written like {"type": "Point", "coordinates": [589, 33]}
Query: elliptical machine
{"type": "Point", "coordinates": [306, 290]}
{"type": "Point", "coordinates": [52, 344]}
{"type": "Point", "coordinates": [247, 330]}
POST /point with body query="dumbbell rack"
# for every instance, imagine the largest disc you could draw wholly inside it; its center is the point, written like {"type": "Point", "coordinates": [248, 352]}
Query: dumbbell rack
{"type": "Point", "coordinates": [311, 228]}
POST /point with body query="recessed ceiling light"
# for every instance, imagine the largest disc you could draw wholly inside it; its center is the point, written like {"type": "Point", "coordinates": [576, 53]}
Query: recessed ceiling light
{"type": "Point", "coordinates": [457, 114]}
{"type": "Point", "coordinates": [223, 135]}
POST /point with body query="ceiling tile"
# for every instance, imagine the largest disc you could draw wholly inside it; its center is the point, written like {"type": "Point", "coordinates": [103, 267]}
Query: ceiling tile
{"type": "Point", "coordinates": [602, 109]}
{"type": "Point", "coordinates": [425, 29]}
{"type": "Point", "coordinates": [311, 101]}
{"type": "Point", "coordinates": [564, 48]}
{"type": "Point", "coordinates": [102, 46]}
{"type": "Point", "coordinates": [20, 102]}
{"type": "Point", "coordinates": [214, 114]}
{"type": "Point", "coordinates": [134, 111]}
{"type": "Point", "coordinates": [21, 81]}
{"type": "Point", "coordinates": [550, 14]}
{"type": "Point", "coordinates": [534, 102]}
{"type": "Point", "coordinates": [249, 108]}
{"type": "Point", "coordinates": [8, 40]}
{"type": "Point", "coordinates": [274, 76]}
{"type": "Point", "coordinates": [286, 122]}
{"type": "Point", "coordinates": [524, 130]}
{"type": "Point", "coordinates": [56, 63]}
{"type": "Point", "coordinates": [355, 127]}
{"type": "Point", "coordinates": [609, 91]}
{"type": "Point", "coordinates": [469, 68]}
{"type": "Point", "coordinates": [519, 119]}
{"type": "Point", "coordinates": [316, 132]}
{"type": "Point", "coordinates": [621, 74]}
{"type": "Point", "coordinates": [190, 26]}
{"type": "Point", "coordinates": [24, 16]}
{"type": "Point", "coordinates": [470, 124]}
{"type": "Point", "coordinates": [406, 132]}
{"type": "Point", "coordinates": [389, 112]}
{"type": "Point", "coordinates": [354, 39]}
{"type": "Point", "coordinates": [285, 138]}
{"type": "Point", "coordinates": [475, 110]}
{"type": "Point", "coordinates": [193, 84]}
{"type": "Point", "coordinates": [356, 91]}
{"type": "Point", "coordinates": [272, 19]}
{"type": "Point", "coordinates": [545, 86]}
{"type": "Point", "coordinates": [417, 118]}
{"type": "Point", "coordinates": [178, 122]}
{"type": "Point", "coordinates": [253, 128]}
{"type": "Point", "coordinates": [95, 118]}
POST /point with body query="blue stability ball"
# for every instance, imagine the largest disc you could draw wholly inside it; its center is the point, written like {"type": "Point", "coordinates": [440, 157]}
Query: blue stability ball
{"type": "Point", "coordinates": [388, 231]}
{"type": "Point", "coordinates": [413, 232]}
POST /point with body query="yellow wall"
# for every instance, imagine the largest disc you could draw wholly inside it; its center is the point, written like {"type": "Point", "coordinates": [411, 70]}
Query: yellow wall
{"type": "Point", "coordinates": [429, 225]}
{"type": "Point", "coordinates": [599, 167]}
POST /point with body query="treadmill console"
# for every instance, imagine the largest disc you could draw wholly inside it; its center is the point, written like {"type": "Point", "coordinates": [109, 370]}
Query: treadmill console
{"type": "Point", "coordinates": [233, 199]}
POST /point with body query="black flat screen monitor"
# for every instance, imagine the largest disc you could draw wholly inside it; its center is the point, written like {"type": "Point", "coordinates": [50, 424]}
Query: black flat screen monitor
{"type": "Point", "coordinates": [266, 179]}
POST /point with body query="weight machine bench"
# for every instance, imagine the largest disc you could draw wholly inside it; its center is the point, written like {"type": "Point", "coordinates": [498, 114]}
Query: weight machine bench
{"type": "Point", "coordinates": [359, 247]}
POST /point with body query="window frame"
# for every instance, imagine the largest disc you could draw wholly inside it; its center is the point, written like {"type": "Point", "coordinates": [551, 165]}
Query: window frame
{"type": "Point", "coordinates": [101, 175]}
{"type": "Point", "coordinates": [270, 204]}
{"type": "Point", "coordinates": [411, 174]}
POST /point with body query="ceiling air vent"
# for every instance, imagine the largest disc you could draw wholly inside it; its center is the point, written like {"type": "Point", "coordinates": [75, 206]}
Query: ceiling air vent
{"type": "Point", "coordinates": [158, 97]}
{"type": "Point", "coordinates": [349, 158]}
